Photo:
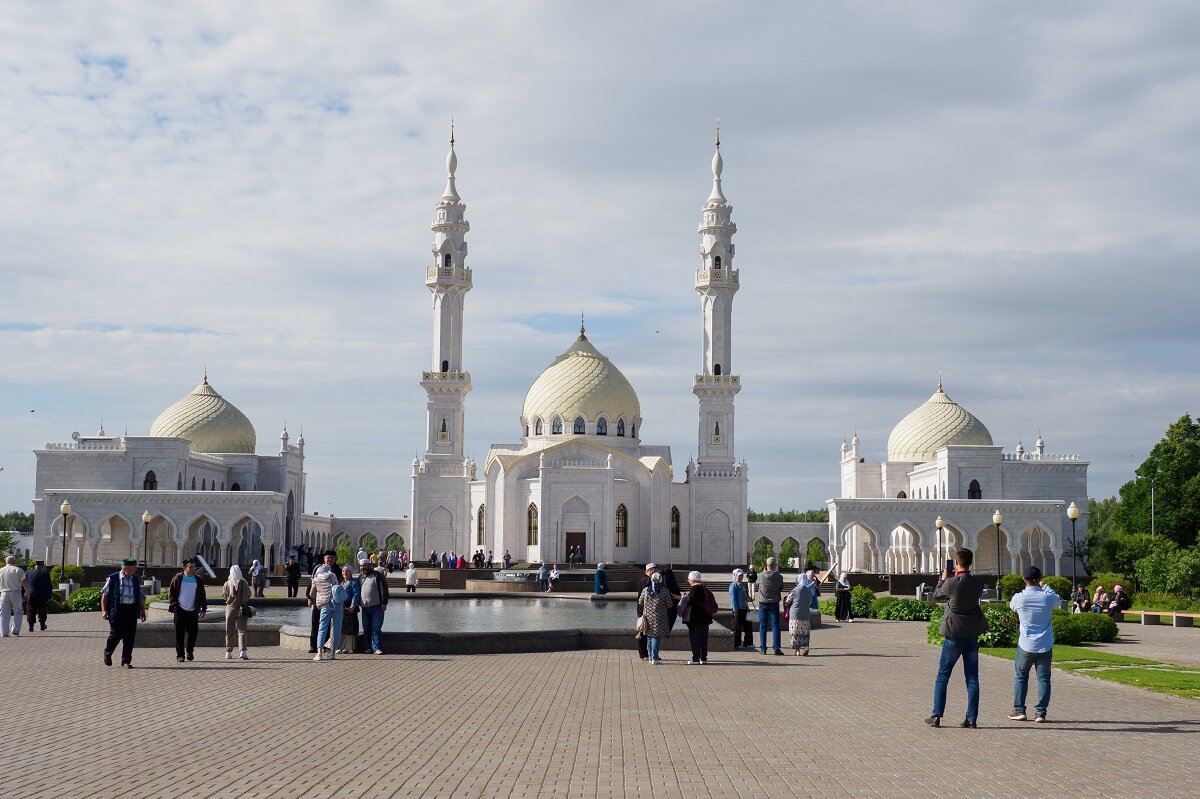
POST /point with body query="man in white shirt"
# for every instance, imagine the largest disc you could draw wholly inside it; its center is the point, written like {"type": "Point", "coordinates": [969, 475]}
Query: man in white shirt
{"type": "Point", "coordinates": [12, 588]}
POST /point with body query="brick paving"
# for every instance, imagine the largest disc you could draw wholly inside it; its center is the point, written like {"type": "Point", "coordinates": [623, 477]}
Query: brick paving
{"type": "Point", "coordinates": [844, 722]}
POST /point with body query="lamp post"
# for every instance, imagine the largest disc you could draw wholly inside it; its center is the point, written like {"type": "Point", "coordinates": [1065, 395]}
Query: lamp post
{"type": "Point", "coordinates": [998, 519]}
{"type": "Point", "coordinates": [1073, 515]}
{"type": "Point", "coordinates": [1151, 479]}
{"type": "Point", "coordinates": [941, 525]}
{"type": "Point", "coordinates": [65, 508]}
{"type": "Point", "coordinates": [146, 517]}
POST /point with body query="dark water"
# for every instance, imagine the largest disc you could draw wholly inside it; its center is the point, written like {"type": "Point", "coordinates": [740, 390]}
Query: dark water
{"type": "Point", "coordinates": [482, 615]}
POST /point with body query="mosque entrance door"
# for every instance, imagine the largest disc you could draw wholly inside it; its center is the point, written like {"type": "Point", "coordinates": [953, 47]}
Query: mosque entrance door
{"type": "Point", "coordinates": [576, 546]}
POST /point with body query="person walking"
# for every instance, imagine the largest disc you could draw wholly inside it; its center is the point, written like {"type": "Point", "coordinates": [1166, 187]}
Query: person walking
{"type": "Point", "coordinates": [348, 640]}
{"type": "Point", "coordinates": [187, 601]}
{"type": "Point", "coordinates": [768, 592]}
{"type": "Point", "coordinates": [842, 610]}
{"type": "Point", "coordinates": [236, 593]}
{"type": "Point", "coordinates": [258, 578]}
{"type": "Point", "coordinates": [323, 596]}
{"type": "Point", "coordinates": [651, 569]}
{"type": "Point", "coordinates": [13, 588]}
{"type": "Point", "coordinates": [600, 580]}
{"type": "Point", "coordinates": [653, 601]}
{"type": "Point", "coordinates": [410, 579]}
{"type": "Point", "coordinates": [751, 582]}
{"type": "Point", "coordinates": [373, 599]}
{"type": "Point", "coordinates": [739, 603]}
{"type": "Point", "coordinates": [799, 603]}
{"type": "Point", "coordinates": [701, 605]}
{"type": "Point", "coordinates": [122, 607]}
{"type": "Point", "coordinates": [962, 624]}
{"type": "Point", "coordinates": [292, 570]}
{"type": "Point", "coordinates": [507, 560]}
{"type": "Point", "coordinates": [38, 594]}
{"type": "Point", "coordinates": [1035, 646]}
{"type": "Point", "coordinates": [329, 558]}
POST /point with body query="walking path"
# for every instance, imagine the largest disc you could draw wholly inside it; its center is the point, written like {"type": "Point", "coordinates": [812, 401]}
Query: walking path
{"type": "Point", "coordinates": [844, 722]}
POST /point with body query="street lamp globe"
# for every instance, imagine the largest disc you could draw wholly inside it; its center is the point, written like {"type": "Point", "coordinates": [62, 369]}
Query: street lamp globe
{"type": "Point", "coordinates": [1072, 511]}
{"type": "Point", "coordinates": [997, 518]}
{"type": "Point", "coordinates": [940, 522]}
{"type": "Point", "coordinates": [146, 517]}
{"type": "Point", "coordinates": [65, 508]}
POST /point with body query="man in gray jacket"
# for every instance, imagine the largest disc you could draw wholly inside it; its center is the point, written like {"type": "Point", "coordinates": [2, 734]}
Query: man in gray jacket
{"type": "Point", "coordinates": [962, 624]}
{"type": "Point", "coordinates": [768, 591]}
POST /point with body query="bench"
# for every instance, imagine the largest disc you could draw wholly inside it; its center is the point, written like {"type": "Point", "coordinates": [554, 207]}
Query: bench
{"type": "Point", "coordinates": [1156, 617]}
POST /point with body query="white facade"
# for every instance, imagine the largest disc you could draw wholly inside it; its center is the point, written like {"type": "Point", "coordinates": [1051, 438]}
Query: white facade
{"type": "Point", "coordinates": [580, 475]}
{"type": "Point", "coordinates": [941, 463]}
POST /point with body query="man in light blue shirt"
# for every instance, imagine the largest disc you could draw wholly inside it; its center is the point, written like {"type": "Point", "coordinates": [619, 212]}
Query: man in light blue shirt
{"type": "Point", "coordinates": [1034, 606]}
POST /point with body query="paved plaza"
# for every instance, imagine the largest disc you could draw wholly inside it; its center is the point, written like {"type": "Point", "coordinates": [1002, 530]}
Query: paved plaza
{"type": "Point", "coordinates": [843, 722]}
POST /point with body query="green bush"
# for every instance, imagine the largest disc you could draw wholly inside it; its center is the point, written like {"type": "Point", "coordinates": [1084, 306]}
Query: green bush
{"type": "Point", "coordinates": [1003, 626]}
{"type": "Point", "coordinates": [932, 632]}
{"type": "Point", "coordinates": [877, 607]}
{"type": "Point", "coordinates": [1168, 569]}
{"type": "Point", "coordinates": [828, 607]}
{"type": "Point", "coordinates": [903, 610]}
{"type": "Point", "coordinates": [84, 599]}
{"type": "Point", "coordinates": [55, 605]}
{"type": "Point", "coordinates": [861, 598]}
{"type": "Point", "coordinates": [1065, 632]}
{"type": "Point", "coordinates": [1108, 580]}
{"type": "Point", "coordinates": [74, 572]}
{"type": "Point", "coordinates": [1061, 585]}
{"type": "Point", "coordinates": [1162, 601]}
{"type": "Point", "coordinates": [1009, 584]}
{"type": "Point", "coordinates": [1092, 627]}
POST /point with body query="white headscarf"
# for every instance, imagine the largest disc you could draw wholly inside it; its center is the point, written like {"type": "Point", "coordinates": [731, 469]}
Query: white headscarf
{"type": "Point", "coordinates": [235, 577]}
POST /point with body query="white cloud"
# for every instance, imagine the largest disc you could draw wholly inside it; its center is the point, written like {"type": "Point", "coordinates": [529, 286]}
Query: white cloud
{"type": "Point", "coordinates": [1003, 193]}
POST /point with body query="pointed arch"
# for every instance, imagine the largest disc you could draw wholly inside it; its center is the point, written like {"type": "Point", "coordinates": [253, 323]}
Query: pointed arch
{"type": "Point", "coordinates": [620, 428]}
{"type": "Point", "coordinates": [974, 491]}
{"type": "Point", "coordinates": [622, 526]}
{"type": "Point", "coordinates": [480, 523]}
{"type": "Point", "coordinates": [580, 426]}
{"type": "Point", "coordinates": [537, 427]}
{"type": "Point", "coordinates": [531, 525]}
{"type": "Point", "coordinates": [557, 427]}
{"type": "Point", "coordinates": [601, 426]}
{"type": "Point", "coordinates": [150, 481]}
{"type": "Point", "coordinates": [675, 527]}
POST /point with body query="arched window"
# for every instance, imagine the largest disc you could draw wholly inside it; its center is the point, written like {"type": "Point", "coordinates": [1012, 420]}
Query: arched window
{"type": "Point", "coordinates": [179, 482]}
{"type": "Point", "coordinates": [222, 485]}
{"type": "Point", "coordinates": [622, 526]}
{"type": "Point", "coordinates": [974, 491]}
{"type": "Point", "coordinates": [193, 482]}
{"type": "Point", "coordinates": [717, 262]}
{"type": "Point", "coordinates": [480, 520]}
{"type": "Point", "coordinates": [935, 492]}
{"type": "Point", "coordinates": [531, 527]}
{"type": "Point", "coordinates": [717, 369]}
{"type": "Point", "coordinates": [445, 366]}
{"type": "Point", "coordinates": [902, 495]}
{"type": "Point", "coordinates": [203, 484]}
{"type": "Point", "coordinates": [556, 428]}
{"type": "Point", "coordinates": [443, 426]}
{"type": "Point", "coordinates": [150, 483]}
{"type": "Point", "coordinates": [580, 428]}
{"type": "Point", "coordinates": [601, 426]}
{"type": "Point", "coordinates": [537, 427]}
{"type": "Point", "coordinates": [675, 528]}
{"type": "Point", "coordinates": [235, 487]}
{"type": "Point", "coordinates": [447, 261]}
{"type": "Point", "coordinates": [621, 428]}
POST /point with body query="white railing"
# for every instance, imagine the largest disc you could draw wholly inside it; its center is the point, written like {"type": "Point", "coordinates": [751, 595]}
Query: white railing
{"type": "Point", "coordinates": [89, 445]}
{"type": "Point", "coordinates": [717, 275]}
{"type": "Point", "coordinates": [728, 380]}
{"type": "Point", "coordinates": [434, 273]}
{"type": "Point", "coordinates": [446, 377]}
{"type": "Point", "coordinates": [1033, 456]}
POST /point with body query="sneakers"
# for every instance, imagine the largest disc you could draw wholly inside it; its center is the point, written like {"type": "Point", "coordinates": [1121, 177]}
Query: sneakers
{"type": "Point", "coordinates": [1039, 719]}
{"type": "Point", "coordinates": [332, 656]}
{"type": "Point", "coordinates": [179, 658]}
{"type": "Point", "coordinates": [378, 651]}
{"type": "Point", "coordinates": [762, 651]}
{"type": "Point", "coordinates": [934, 721]}
{"type": "Point", "coordinates": [704, 663]}
{"type": "Point", "coordinates": [191, 657]}
{"type": "Point", "coordinates": [778, 651]}
{"type": "Point", "coordinates": [970, 725]}
{"type": "Point", "coordinates": [244, 655]}
{"type": "Point", "coordinates": [312, 650]}
{"type": "Point", "coordinates": [1017, 715]}
{"type": "Point", "coordinates": [693, 663]}
{"type": "Point", "coordinates": [317, 658]}
{"type": "Point", "coordinates": [127, 665]}
{"type": "Point", "coordinates": [229, 656]}
{"type": "Point", "coordinates": [805, 652]}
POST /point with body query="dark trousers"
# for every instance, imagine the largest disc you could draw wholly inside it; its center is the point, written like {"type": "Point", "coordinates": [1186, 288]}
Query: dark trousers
{"type": "Point", "coordinates": [122, 628]}
{"type": "Point", "coordinates": [410, 589]}
{"type": "Point", "coordinates": [36, 608]}
{"type": "Point", "coordinates": [698, 635]}
{"type": "Point", "coordinates": [293, 586]}
{"type": "Point", "coordinates": [742, 634]}
{"type": "Point", "coordinates": [187, 624]}
{"type": "Point", "coordinates": [316, 624]}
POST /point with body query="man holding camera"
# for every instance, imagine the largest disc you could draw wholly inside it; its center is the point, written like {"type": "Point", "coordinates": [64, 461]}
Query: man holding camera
{"type": "Point", "coordinates": [962, 624]}
{"type": "Point", "coordinates": [1034, 606]}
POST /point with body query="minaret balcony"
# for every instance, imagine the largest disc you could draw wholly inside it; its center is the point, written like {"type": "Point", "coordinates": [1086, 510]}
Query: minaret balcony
{"type": "Point", "coordinates": [716, 277]}
{"type": "Point", "coordinates": [446, 382]}
{"type": "Point", "coordinates": [713, 385]}
{"type": "Point", "coordinates": [444, 275]}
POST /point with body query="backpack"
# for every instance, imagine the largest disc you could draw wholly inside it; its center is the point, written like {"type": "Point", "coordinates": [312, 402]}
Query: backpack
{"type": "Point", "coordinates": [340, 595]}
{"type": "Point", "coordinates": [710, 603]}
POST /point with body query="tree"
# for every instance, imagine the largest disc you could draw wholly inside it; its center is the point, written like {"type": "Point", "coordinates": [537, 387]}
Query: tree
{"type": "Point", "coordinates": [789, 550]}
{"type": "Point", "coordinates": [8, 543]}
{"type": "Point", "coordinates": [781, 515]}
{"type": "Point", "coordinates": [1169, 569]}
{"type": "Point", "coordinates": [815, 552]}
{"type": "Point", "coordinates": [15, 520]}
{"type": "Point", "coordinates": [763, 549]}
{"type": "Point", "coordinates": [1174, 465]}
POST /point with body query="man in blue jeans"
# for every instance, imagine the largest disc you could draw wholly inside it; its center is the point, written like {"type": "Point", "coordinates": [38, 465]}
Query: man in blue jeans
{"type": "Point", "coordinates": [1035, 647]}
{"type": "Point", "coordinates": [769, 590]}
{"type": "Point", "coordinates": [962, 624]}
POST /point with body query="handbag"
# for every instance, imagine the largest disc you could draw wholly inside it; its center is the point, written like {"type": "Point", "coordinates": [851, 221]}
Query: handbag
{"type": "Point", "coordinates": [248, 611]}
{"type": "Point", "coordinates": [685, 608]}
{"type": "Point", "coordinates": [640, 627]}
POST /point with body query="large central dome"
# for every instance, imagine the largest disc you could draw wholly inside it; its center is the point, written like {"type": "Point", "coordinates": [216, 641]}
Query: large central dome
{"type": "Point", "coordinates": [938, 422]}
{"type": "Point", "coordinates": [209, 421]}
{"type": "Point", "coordinates": [580, 382]}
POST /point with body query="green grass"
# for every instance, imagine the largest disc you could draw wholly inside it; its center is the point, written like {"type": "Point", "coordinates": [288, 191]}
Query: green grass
{"type": "Point", "coordinates": [1144, 673]}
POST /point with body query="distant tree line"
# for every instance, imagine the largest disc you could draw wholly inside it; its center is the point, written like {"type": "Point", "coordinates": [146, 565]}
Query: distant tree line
{"type": "Point", "coordinates": [781, 515]}
{"type": "Point", "coordinates": [15, 520]}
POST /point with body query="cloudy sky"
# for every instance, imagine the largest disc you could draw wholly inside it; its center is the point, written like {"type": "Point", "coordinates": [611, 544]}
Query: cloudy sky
{"type": "Point", "coordinates": [1003, 192]}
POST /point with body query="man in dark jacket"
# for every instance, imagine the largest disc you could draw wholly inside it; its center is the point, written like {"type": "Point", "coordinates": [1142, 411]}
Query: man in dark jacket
{"type": "Point", "coordinates": [330, 560]}
{"type": "Point", "coordinates": [39, 594]}
{"type": "Point", "coordinates": [962, 624]}
{"type": "Point", "coordinates": [122, 607]}
{"type": "Point", "coordinates": [292, 570]}
{"type": "Point", "coordinates": [187, 600]}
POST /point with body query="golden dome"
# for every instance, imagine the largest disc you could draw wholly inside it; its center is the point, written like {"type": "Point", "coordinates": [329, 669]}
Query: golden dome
{"type": "Point", "coordinates": [209, 421]}
{"type": "Point", "coordinates": [581, 382]}
{"type": "Point", "coordinates": [938, 422]}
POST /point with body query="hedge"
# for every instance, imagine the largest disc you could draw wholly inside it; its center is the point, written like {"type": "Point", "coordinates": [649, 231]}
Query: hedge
{"type": "Point", "coordinates": [903, 609]}
{"type": "Point", "coordinates": [1061, 585]}
{"type": "Point", "coordinates": [1003, 626]}
{"type": "Point", "coordinates": [74, 572]}
{"type": "Point", "coordinates": [861, 598]}
{"type": "Point", "coordinates": [85, 599]}
{"type": "Point", "coordinates": [1108, 580]}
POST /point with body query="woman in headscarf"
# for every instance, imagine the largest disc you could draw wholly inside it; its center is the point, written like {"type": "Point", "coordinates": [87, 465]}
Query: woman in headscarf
{"type": "Point", "coordinates": [842, 611]}
{"type": "Point", "coordinates": [652, 608]}
{"type": "Point", "coordinates": [600, 580]}
{"type": "Point", "coordinates": [258, 578]}
{"type": "Point", "coordinates": [320, 592]}
{"type": "Point", "coordinates": [1119, 601]}
{"type": "Point", "coordinates": [798, 602]}
{"type": "Point", "coordinates": [1099, 600]}
{"type": "Point", "coordinates": [350, 611]}
{"type": "Point", "coordinates": [698, 618]}
{"type": "Point", "coordinates": [237, 595]}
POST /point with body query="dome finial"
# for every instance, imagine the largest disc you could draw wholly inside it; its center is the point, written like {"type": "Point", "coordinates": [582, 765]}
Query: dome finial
{"type": "Point", "coordinates": [451, 130]}
{"type": "Point", "coordinates": [717, 196]}
{"type": "Point", "coordinates": [718, 133]}
{"type": "Point", "coordinates": [206, 373]}
{"type": "Point", "coordinates": [582, 330]}
{"type": "Point", "coordinates": [939, 388]}
{"type": "Point", "coordinates": [451, 193]}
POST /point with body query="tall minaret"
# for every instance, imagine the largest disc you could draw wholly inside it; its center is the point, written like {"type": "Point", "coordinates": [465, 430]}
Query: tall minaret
{"type": "Point", "coordinates": [449, 280]}
{"type": "Point", "coordinates": [716, 283]}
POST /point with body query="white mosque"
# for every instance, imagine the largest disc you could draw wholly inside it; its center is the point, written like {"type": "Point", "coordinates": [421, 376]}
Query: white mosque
{"type": "Point", "coordinates": [580, 475]}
